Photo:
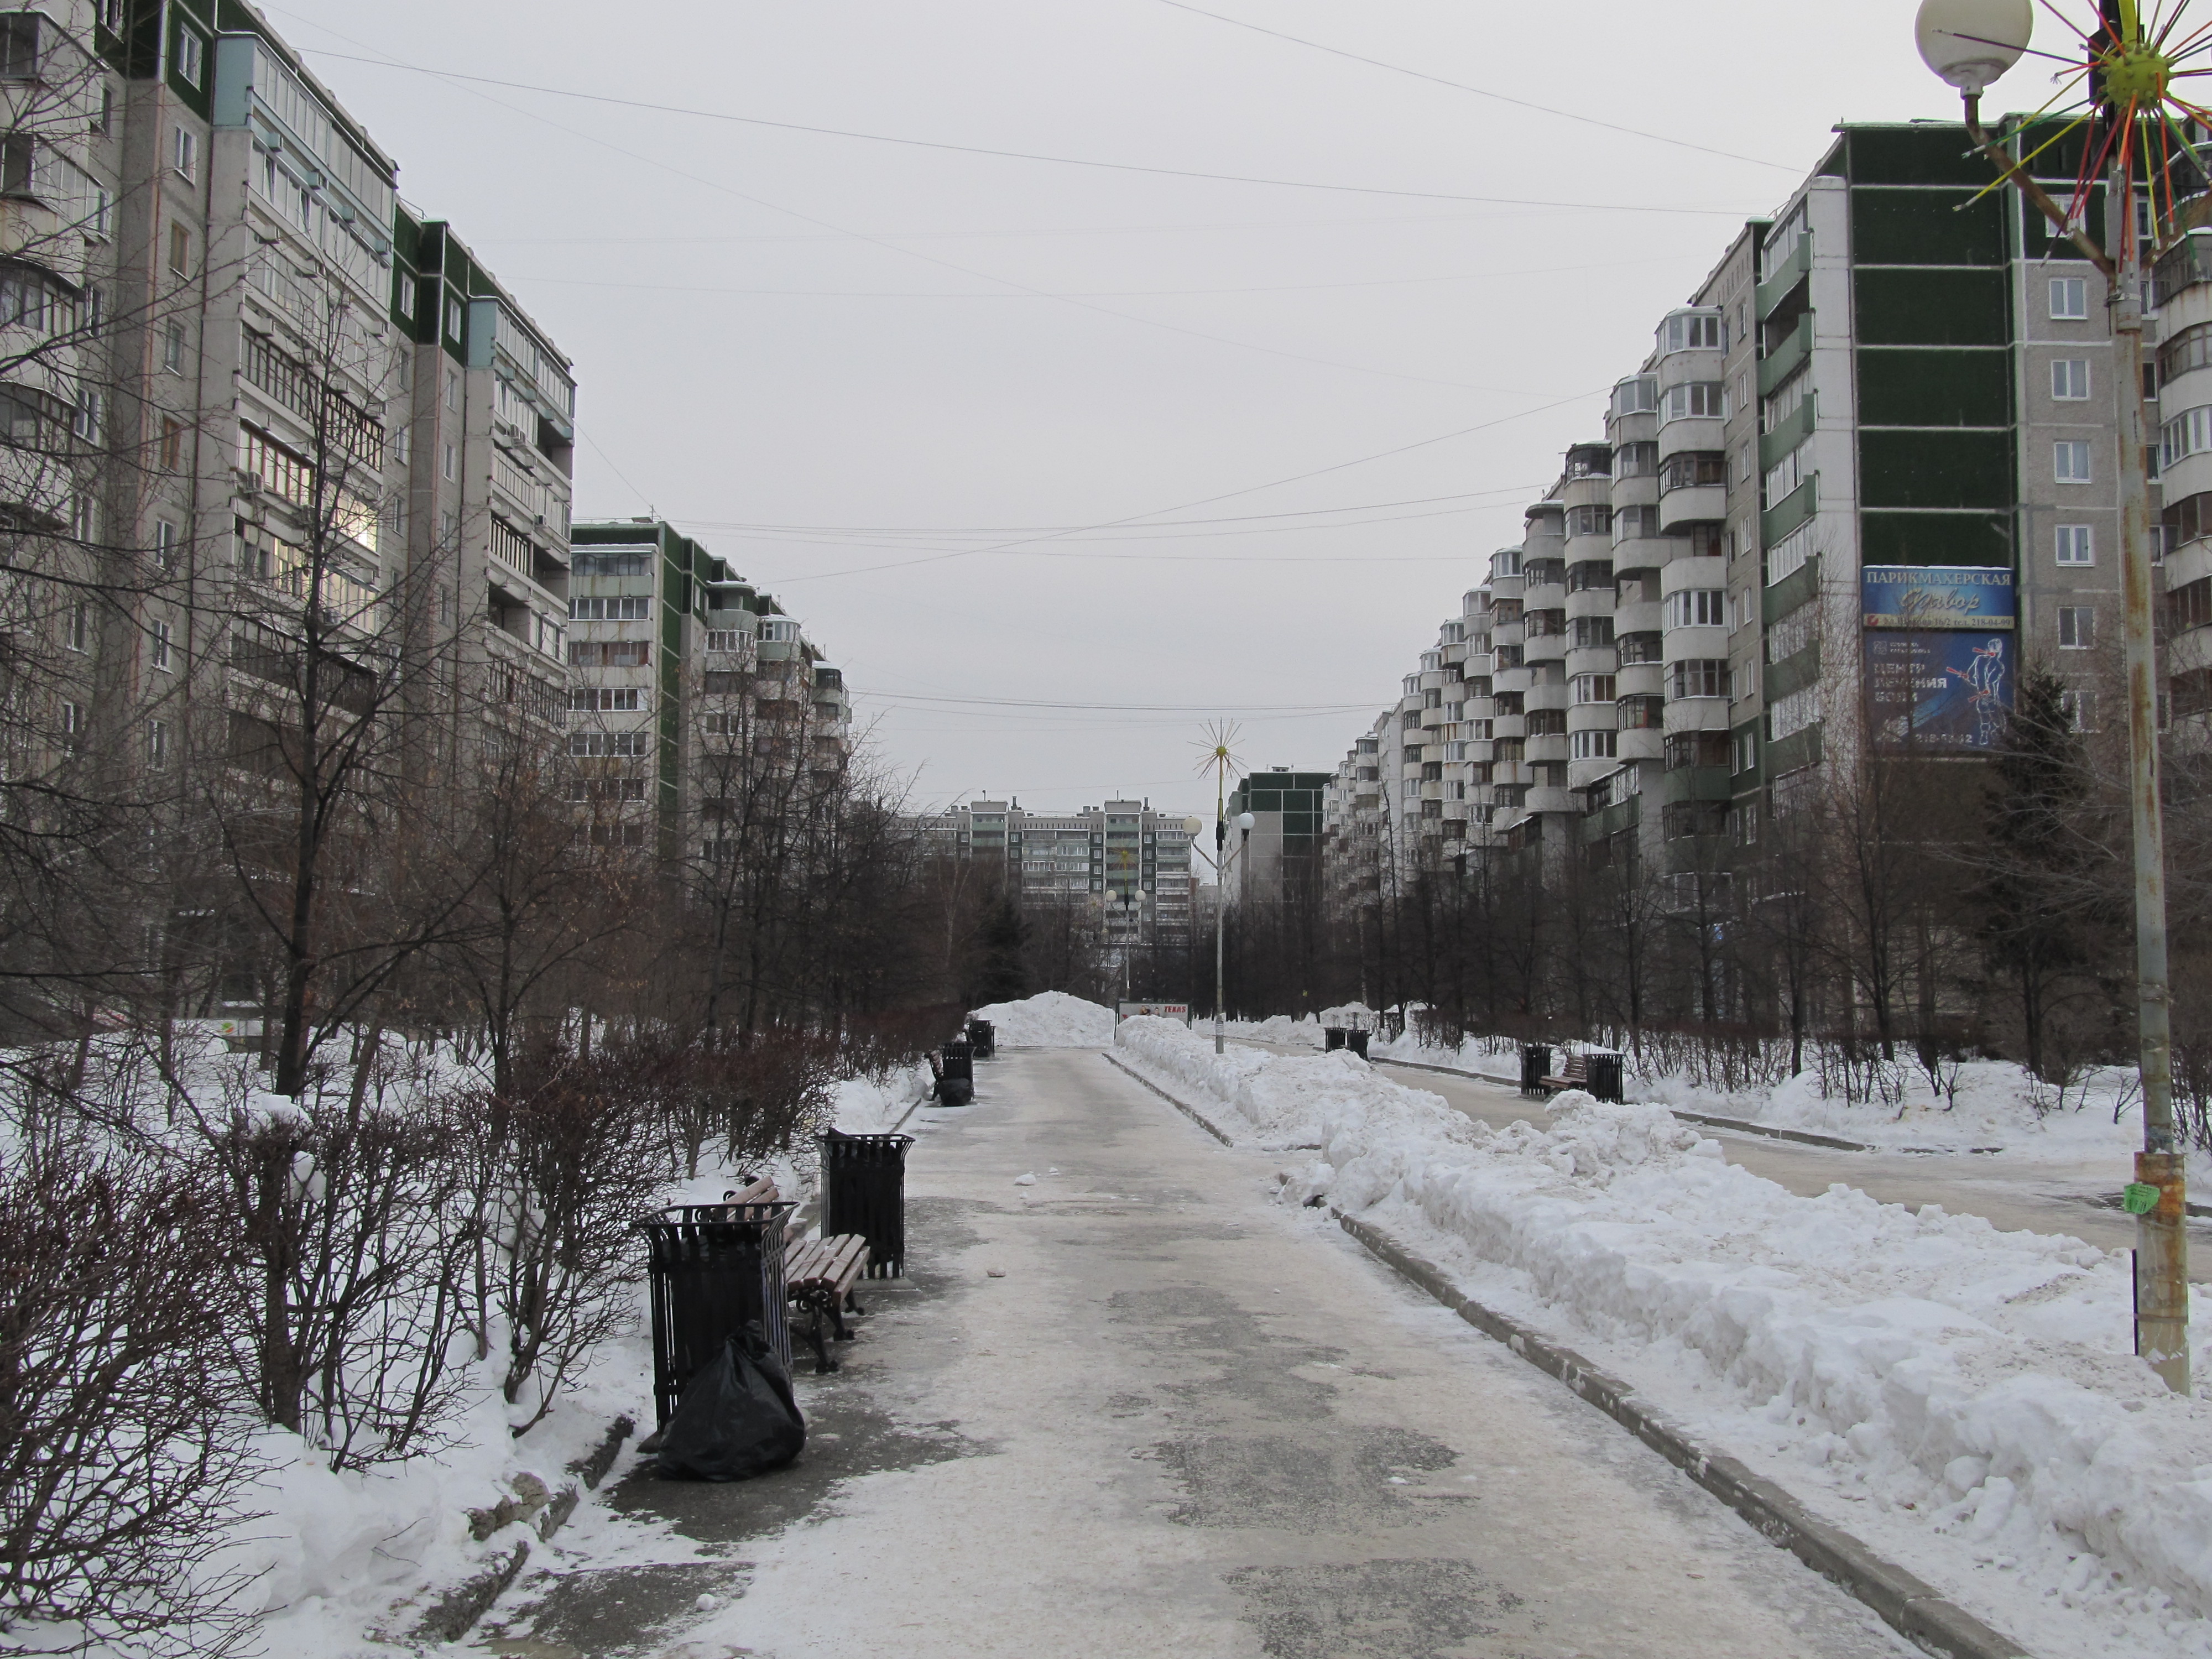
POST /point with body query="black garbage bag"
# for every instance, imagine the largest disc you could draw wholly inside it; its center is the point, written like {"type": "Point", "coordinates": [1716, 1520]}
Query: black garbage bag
{"type": "Point", "coordinates": [737, 1418]}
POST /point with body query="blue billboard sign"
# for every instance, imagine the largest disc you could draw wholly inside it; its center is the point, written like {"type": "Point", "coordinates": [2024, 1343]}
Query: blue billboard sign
{"type": "Point", "coordinates": [1942, 690]}
{"type": "Point", "coordinates": [1921, 597]}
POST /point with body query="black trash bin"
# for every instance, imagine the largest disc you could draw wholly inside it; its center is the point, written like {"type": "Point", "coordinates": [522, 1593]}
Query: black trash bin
{"type": "Point", "coordinates": [955, 1074]}
{"type": "Point", "coordinates": [1332, 1038]}
{"type": "Point", "coordinates": [864, 1192]}
{"type": "Point", "coordinates": [712, 1267]}
{"type": "Point", "coordinates": [982, 1040]}
{"type": "Point", "coordinates": [1603, 1077]}
{"type": "Point", "coordinates": [1357, 1041]}
{"type": "Point", "coordinates": [1535, 1067]}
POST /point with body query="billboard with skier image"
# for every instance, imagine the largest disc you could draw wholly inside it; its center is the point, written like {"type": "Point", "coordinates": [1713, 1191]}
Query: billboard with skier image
{"type": "Point", "coordinates": [1940, 692]}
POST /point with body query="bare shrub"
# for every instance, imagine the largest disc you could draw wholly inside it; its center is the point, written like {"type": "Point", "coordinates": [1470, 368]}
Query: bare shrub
{"type": "Point", "coordinates": [122, 1446]}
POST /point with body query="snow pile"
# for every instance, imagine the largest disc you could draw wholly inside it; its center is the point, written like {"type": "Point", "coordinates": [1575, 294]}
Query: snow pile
{"type": "Point", "coordinates": [1964, 1398]}
{"type": "Point", "coordinates": [1350, 1016]}
{"type": "Point", "coordinates": [1283, 1101]}
{"type": "Point", "coordinates": [1277, 1028]}
{"type": "Point", "coordinates": [1050, 1019]}
{"type": "Point", "coordinates": [866, 1107]}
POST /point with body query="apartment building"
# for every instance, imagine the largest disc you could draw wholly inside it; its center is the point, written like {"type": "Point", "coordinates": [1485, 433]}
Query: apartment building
{"type": "Point", "coordinates": [1865, 472]}
{"type": "Point", "coordinates": [1284, 846]}
{"type": "Point", "coordinates": [1128, 857]}
{"type": "Point", "coordinates": [696, 706]}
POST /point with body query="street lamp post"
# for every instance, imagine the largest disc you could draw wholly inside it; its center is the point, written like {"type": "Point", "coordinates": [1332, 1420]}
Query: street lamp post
{"type": "Point", "coordinates": [1969, 44]}
{"type": "Point", "coordinates": [1244, 823]}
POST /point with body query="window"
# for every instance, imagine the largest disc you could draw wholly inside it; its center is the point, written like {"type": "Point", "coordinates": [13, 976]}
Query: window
{"type": "Point", "coordinates": [18, 164]}
{"type": "Point", "coordinates": [609, 654]}
{"type": "Point", "coordinates": [76, 633]}
{"type": "Point", "coordinates": [158, 637]}
{"type": "Point", "coordinates": [172, 347]}
{"type": "Point", "coordinates": [621, 608]}
{"type": "Point", "coordinates": [1589, 521]}
{"type": "Point", "coordinates": [2079, 708]}
{"type": "Point", "coordinates": [1593, 688]}
{"type": "Point", "coordinates": [2190, 604]}
{"type": "Point", "coordinates": [184, 151]}
{"type": "Point", "coordinates": [157, 743]}
{"type": "Point", "coordinates": [2069, 463]}
{"type": "Point", "coordinates": [449, 463]}
{"type": "Point", "coordinates": [1697, 607]}
{"type": "Point", "coordinates": [2076, 545]}
{"type": "Point", "coordinates": [2070, 379]}
{"type": "Point", "coordinates": [189, 57]}
{"type": "Point", "coordinates": [180, 250]}
{"type": "Point", "coordinates": [1412, 789]}
{"type": "Point", "coordinates": [2069, 299]}
{"type": "Point", "coordinates": [1699, 399]}
{"type": "Point", "coordinates": [2077, 627]}
{"type": "Point", "coordinates": [165, 543]}
{"type": "Point", "coordinates": [602, 701]}
{"type": "Point", "coordinates": [1790, 716]}
{"type": "Point", "coordinates": [84, 517]}
{"type": "Point", "coordinates": [1745, 755]}
{"type": "Point", "coordinates": [595, 745]}
{"type": "Point", "coordinates": [1697, 678]}
{"type": "Point", "coordinates": [1637, 396]}
{"type": "Point", "coordinates": [1589, 633]}
{"type": "Point", "coordinates": [453, 383]}
{"type": "Point", "coordinates": [85, 421]}
{"type": "Point", "coordinates": [1692, 333]}
{"type": "Point", "coordinates": [1592, 745]}
{"type": "Point", "coordinates": [19, 46]}
{"type": "Point", "coordinates": [73, 727]}
{"type": "Point", "coordinates": [1692, 467]}
{"type": "Point", "coordinates": [1636, 461]}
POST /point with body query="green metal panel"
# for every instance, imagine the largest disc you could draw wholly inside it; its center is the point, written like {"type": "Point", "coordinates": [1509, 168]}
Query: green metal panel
{"type": "Point", "coordinates": [1956, 469]}
{"type": "Point", "coordinates": [1798, 749]}
{"type": "Point", "coordinates": [1792, 673]}
{"type": "Point", "coordinates": [1787, 358]}
{"type": "Point", "coordinates": [1785, 277]}
{"type": "Point", "coordinates": [1787, 433]}
{"type": "Point", "coordinates": [1792, 510]}
{"type": "Point", "coordinates": [1928, 386]}
{"type": "Point", "coordinates": [1694, 783]}
{"type": "Point", "coordinates": [1924, 153]}
{"type": "Point", "coordinates": [1949, 306]}
{"type": "Point", "coordinates": [1794, 589]}
{"type": "Point", "coordinates": [1926, 228]}
{"type": "Point", "coordinates": [1981, 537]}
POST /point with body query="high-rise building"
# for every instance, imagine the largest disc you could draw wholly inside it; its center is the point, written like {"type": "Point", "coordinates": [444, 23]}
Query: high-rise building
{"type": "Point", "coordinates": [1285, 840]}
{"type": "Point", "coordinates": [1128, 857]}
{"type": "Point", "coordinates": [696, 704]}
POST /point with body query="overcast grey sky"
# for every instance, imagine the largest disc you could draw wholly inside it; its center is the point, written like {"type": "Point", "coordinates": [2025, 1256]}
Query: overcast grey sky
{"type": "Point", "coordinates": [854, 367]}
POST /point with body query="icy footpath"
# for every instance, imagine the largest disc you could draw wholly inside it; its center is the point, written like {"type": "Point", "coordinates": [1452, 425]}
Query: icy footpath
{"type": "Point", "coordinates": [1964, 1400]}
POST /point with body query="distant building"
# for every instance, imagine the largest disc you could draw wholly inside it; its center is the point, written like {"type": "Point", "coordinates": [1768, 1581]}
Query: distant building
{"type": "Point", "coordinates": [1289, 808]}
{"type": "Point", "coordinates": [1129, 859]}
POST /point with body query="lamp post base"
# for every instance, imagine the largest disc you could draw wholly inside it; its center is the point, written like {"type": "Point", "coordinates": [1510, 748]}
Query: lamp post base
{"type": "Point", "coordinates": [2162, 1271]}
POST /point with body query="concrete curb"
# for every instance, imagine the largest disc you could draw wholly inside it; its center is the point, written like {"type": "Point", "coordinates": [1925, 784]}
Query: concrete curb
{"type": "Point", "coordinates": [1190, 1112]}
{"type": "Point", "coordinates": [1903, 1602]}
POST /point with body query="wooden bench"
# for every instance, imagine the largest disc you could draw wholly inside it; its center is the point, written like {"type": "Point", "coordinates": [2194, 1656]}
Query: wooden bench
{"type": "Point", "coordinates": [818, 1276]}
{"type": "Point", "coordinates": [1574, 1074]}
{"type": "Point", "coordinates": [759, 1190]}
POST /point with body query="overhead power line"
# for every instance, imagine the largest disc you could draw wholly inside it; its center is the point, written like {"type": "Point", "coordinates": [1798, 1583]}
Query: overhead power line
{"type": "Point", "coordinates": [1014, 155]}
{"type": "Point", "coordinates": [1480, 92]}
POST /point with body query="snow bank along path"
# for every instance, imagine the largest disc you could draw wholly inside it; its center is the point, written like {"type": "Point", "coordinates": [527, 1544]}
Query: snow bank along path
{"type": "Point", "coordinates": [1964, 1398]}
{"type": "Point", "coordinates": [1051, 1019]}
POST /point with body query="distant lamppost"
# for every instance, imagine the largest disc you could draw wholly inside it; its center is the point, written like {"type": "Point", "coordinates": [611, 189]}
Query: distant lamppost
{"type": "Point", "coordinates": [1221, 861]}
{"type": "Point", "coordinates": [2131, 120]}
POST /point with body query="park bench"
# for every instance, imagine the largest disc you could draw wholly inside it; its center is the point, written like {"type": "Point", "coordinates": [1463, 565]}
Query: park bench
{"type": "Point", "coordinates": [818, 1276]}
{"type": "Point", "coordinates": [1574, 1074]}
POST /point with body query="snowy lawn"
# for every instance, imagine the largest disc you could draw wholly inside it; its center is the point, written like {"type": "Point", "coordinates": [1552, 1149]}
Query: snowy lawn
{"type": "Point", "coordinates": [1964, 1400]}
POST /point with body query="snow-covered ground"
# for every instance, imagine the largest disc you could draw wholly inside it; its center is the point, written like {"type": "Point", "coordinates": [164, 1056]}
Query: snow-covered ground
{"type": "Point", "coordinates": [1050, 1019]}
{"type": "Point", "coordinates": [1964, 1400]}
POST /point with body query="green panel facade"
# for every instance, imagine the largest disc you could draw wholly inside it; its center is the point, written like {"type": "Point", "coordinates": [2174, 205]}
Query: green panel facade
{"type": "Point", "coordinates": [1926, 228]}
{"type": "Point", "coordinates": [1958, 306]}
{"type": "Point", "coordinates": [1976, 539]}
{"type": "Point", "coordinates": [1923, 386]}
{"type": "Point", "coordinates": [1962, 468]}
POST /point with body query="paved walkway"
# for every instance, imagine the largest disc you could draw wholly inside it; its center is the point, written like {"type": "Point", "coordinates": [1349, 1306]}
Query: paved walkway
{"type": "Point", "coordinates": [1185, 1422]}
{"type": "Point", "coordinates": [2012, 1190]}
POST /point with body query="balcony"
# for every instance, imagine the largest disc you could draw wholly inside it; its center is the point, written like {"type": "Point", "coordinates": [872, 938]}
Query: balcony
{"type": "Point", "coordinates": [1789, 357]}
{"type": "Point", "coordinates": [1791, 270]}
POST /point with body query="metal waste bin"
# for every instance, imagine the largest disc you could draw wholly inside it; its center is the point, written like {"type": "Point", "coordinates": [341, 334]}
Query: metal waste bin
{"type": "Point", "coordinates": [712, 1268]}
{"type": "Point", "coordinates": [864, 1192]}
{"type": "Point", "coordinates": [1602, 1078]}
{"type": "Point", "coordinates": [1357, 1041]}
{"type": "Point", "coordinates": [982, 1040]}
{"type": "Point", "coordinates": [1332, 1038]}
{"type": "Point", "coordinates": [1535, 1067]}
{"type": "Point", "coordinates": [955, 1074]}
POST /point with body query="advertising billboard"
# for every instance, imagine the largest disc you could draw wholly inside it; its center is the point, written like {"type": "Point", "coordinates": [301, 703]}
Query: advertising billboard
{"type": "Point", "coordinates": [1938, 690]}
{"type": "Point", "coordinates": [1914, 598]}
{"type": "Point", "coordinates": [1157, 1010]}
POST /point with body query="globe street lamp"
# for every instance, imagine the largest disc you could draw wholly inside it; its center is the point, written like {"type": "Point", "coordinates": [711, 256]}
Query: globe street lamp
{"type": "Point", "coordinates": [1969, 44]}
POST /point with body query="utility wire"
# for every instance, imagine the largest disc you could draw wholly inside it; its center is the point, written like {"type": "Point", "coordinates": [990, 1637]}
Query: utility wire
{"type": "Point", "coordinates": [1480, 92]}
{"type": "Point", "coordinates": [1016, 155]}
